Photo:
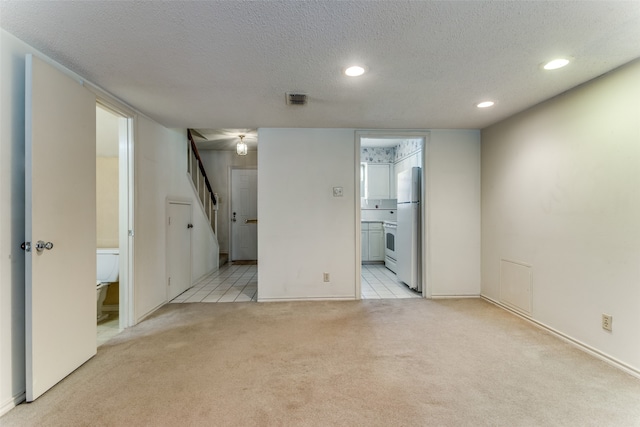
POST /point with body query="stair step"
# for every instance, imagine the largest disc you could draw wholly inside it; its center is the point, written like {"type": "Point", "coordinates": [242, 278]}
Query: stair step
{"type": "Point", "coordinates": [223, 259]}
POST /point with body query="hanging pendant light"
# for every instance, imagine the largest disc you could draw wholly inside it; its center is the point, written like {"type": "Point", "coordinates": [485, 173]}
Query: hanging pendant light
{"type": "Point", "coordinates": [241, 148]}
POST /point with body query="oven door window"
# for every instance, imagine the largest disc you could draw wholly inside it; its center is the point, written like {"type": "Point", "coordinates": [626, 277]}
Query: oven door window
{"type": "Point", "coordinates": [390, 242]}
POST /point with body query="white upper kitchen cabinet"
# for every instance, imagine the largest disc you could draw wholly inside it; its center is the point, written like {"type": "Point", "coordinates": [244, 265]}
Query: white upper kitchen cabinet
{"type": "Point", "coordinates": [378, 181]}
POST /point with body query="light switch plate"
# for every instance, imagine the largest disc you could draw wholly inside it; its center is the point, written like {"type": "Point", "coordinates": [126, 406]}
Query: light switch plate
{"type": "Point", "coordinates": [337, 191]}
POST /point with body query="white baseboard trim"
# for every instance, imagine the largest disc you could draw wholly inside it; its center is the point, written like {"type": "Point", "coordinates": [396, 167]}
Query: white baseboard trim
{"type": "Point", "coordinates": [454, 296]}
{"type": "Point", "coordinates": [150, 312]}
{"type": "Point", "coordinates": [306, 299]}
{"type": "Point", "coordinates": [13, 402]}
{"type": "Point", "coordinates": [566, 338]}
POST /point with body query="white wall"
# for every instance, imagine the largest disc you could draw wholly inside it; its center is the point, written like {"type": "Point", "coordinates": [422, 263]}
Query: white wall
{"type": "Point", "coordinates": [107, 199]}
{"type": "Point", "coordinates": [561, 192]}
{"type": "Point", "coordinates": [161, 173]}
{"type": "Point", "coordinates": [453, 184]}
{"type": "Point", "coordinates": [217, 164]}
{"type": "Point", "coordinates": [107, 179]}
{"type": "Point", "coordinates": [158, 174]}
{"type": "Point", "coordinates": [304, 231]}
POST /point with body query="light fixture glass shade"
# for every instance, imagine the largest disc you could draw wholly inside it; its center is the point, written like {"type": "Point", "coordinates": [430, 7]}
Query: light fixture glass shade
{"type": "Point", "coordinates": [241, 148]}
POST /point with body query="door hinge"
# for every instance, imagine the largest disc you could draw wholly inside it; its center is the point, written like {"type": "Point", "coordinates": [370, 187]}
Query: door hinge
{"type": "Point", "coordinates": [169, 220]}
{"type": "Point", "coordinates": [26, 246]}
{"type": "Point", "coordinates": [130, 233]}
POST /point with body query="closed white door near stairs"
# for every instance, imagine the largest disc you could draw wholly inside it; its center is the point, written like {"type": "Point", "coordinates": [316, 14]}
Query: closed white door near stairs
{"type": "Point", "coordinates": [60, 225]}
{"type": "Point", "coordinates": [244, 214]}
{"type": "Point", "coordinates": [178, 249]}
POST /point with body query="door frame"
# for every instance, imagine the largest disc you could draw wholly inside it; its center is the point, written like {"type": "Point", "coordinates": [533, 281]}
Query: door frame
{"type": "Point", "coordinates": [126, 197]}
{"type": "Point", "coordinates": [229, 192]}
{"type": "Point", "coordinates": [424, 212]}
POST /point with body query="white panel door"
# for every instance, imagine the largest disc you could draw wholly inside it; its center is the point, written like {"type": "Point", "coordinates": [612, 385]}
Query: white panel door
{"type": "Point", "coordinates": [178, 249]}
{"type": "Point", "coordinates": [60, 202]}
{"type": "Point", "coordinates": [244, 214]}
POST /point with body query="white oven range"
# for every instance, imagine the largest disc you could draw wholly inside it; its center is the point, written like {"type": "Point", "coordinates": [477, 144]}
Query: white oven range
{"type": "Point", "coordinates": [390, 245]}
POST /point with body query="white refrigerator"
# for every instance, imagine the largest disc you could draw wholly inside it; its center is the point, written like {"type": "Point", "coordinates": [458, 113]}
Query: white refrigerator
{"type": "Point", "coordinates": [408, 232]}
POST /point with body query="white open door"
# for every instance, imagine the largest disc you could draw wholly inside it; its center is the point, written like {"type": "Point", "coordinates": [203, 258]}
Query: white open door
{"type": "Point", "coordinates": [60, 191]}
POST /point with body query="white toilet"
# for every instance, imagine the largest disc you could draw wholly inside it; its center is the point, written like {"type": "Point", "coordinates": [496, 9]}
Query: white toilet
{"type": "Point", "coordinates": [108, 268]}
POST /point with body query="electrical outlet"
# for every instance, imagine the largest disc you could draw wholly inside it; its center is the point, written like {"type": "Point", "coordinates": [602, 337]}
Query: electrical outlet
{"type": "Point", "coordinates": [607, 322]}
{"type": "Point", "coordinates": [326, 277]}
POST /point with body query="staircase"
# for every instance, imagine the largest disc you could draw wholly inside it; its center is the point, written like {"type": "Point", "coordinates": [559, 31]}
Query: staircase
{"type": "Point", "coordinates": [223, 258]}
{"type": "Point", "coordinates": [208, 199]}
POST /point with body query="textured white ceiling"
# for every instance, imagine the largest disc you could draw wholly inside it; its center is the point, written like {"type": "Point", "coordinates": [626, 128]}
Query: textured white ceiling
{"type": "Point", "coordinates": [227, 65]}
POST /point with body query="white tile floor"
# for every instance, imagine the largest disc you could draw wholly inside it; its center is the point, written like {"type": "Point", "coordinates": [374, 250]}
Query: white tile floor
{"type": "Point", "coordinates": [378, 282]}
{"type": "Point", "coordinates": [231, 283]}
{"type": "Point", "coordinates": [108, 328]}
{"type": "Point", "coordinates": [236, 283]}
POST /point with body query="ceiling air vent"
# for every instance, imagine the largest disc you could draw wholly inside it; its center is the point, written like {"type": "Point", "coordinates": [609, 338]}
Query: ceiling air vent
{"type": "Point", "coordinates": [296, 98]}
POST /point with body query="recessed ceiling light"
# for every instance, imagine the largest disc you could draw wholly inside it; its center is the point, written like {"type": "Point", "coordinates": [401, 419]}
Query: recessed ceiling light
{"type": "Point", "coordinates": [354, 71]}
{"type": "Point", "coordinates": [485, 104]}
{"type": "Point", "coordinates": [555, 64]}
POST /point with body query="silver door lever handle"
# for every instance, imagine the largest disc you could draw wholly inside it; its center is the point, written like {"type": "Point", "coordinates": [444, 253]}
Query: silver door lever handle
{"type": "Point", "coordinates": [41, 246]}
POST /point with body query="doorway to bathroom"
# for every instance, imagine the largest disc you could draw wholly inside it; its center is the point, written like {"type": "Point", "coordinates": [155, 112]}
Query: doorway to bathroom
{"type": "Point", "coordinates": [114, 217]}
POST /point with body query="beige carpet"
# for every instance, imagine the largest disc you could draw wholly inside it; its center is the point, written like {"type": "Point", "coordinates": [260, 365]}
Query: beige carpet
{"type": "Point", "coordinates": [369, 363]}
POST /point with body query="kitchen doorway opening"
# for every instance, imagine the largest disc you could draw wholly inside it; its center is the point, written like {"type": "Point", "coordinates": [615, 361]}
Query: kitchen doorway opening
{"type": "Point", "coordinates": [391, 205]}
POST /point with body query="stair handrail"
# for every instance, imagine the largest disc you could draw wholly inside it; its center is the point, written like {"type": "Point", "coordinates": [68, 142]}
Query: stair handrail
{"type": "Point", "coordinates": [201, 185]}
{"type": "Point", "coordinates": [201, 167]}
